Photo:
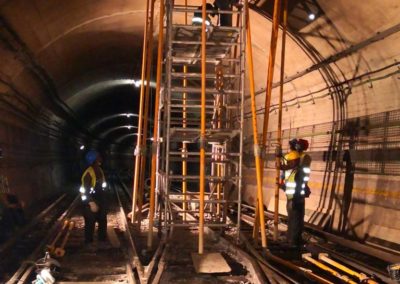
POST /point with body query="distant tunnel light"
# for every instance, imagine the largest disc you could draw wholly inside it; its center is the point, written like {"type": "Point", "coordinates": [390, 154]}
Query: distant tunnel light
{"type": "Point", "coordinates": [82, 147]}
{"type": "Point", "coordinates": [138, 83]}
{"type": "Point", "coordinates": [311, 16]}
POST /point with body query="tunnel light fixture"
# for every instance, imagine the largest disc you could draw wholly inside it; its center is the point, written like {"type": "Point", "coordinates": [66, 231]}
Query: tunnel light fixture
{"type": "Point", "coordinates": [129, 126]}
{"type": "Point", "coordinates": [82, 147]}
{"type": "Point", "coordinates": [138, 83]}
{"type": "Point", "coordinates": [311, 16]}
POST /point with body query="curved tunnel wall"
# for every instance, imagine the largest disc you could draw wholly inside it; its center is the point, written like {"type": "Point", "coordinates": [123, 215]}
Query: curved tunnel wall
{"type": "Point", "coordinates": [347, 105]}
{"type": "Point", "coordinates": [60, 59]}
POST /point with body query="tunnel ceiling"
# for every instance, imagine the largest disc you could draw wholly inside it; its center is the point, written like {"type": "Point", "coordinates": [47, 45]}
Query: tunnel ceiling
{"type": "Point", "coordinates": [77, 60]}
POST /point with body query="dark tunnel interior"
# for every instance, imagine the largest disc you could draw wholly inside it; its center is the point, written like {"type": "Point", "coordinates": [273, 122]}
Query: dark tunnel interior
{"type": "Point", "coordinates": [70, 81]}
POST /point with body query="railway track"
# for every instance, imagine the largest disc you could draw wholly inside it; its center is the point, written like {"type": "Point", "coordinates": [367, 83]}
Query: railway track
{"type": "Point", "coordinates": [19, 254]}
{"type": "Point", "coordinates": [317, 262]}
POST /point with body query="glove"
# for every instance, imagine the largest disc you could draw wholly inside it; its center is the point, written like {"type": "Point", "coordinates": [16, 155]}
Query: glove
{"type": "Point", "coordinates": [93, 207]}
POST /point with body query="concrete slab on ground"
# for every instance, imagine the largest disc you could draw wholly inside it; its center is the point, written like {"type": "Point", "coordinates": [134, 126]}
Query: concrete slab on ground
{"type": "Point", "coordinates": [211, 262]}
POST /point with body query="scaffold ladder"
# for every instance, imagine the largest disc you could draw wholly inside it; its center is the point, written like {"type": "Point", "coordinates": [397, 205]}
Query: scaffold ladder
{"type": "Point", "coordinates": [202, 120]}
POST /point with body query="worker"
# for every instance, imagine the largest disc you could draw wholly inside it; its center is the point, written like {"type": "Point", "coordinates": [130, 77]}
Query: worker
{"type": "Point", "coordinates": [198, 15]}
{"type": "Point", "coordinates": [296, 167]}
{"type": "Point", "coordinates": [225, 19]}
{"type": "Point", "coordinates": [93, 197]}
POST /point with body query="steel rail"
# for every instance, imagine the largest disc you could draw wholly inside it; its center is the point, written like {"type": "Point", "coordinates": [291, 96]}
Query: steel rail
{"type": "Point", "coordinates": [134, 261]}
{"type": "Point", "coordinates": [145, 272]}
{"type": "Point", "coordinates": [7, 245]}
{"type": "Point", "coordinates": [23, 273]}
{"type": "Point", "coordinates": [339, 256]}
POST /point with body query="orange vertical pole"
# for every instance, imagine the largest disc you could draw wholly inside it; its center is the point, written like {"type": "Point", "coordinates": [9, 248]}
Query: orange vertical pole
{"type": "Point", "coordinates": [203, 128]}
{"type": "Point", "coordinates": [145, 121]}
{"type": "Point", "coordinates": [155, 128]}
{"type": "Point", "coordinates": [279, 138]}
{"type": "Point", "coordinates": [141, 104]}
{"type": "Point", "coordinates": [270, 77]}
{"type": "Point", "coordinates": [184, 146]}
{"type": "Point", "coordinates": [257, 149]}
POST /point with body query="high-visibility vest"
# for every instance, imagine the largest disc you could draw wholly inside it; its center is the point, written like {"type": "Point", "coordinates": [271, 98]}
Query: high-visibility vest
{"type": "Point", "coordinates": [296, 179]}
{"type": "Point", "coordinates": [93, 181]}
{"type": "Point", "coordinates": [290, 182]}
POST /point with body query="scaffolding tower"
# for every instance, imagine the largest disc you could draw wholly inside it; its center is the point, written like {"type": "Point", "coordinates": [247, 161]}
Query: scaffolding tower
{"type": "Point", "coordinates": [200, 156]}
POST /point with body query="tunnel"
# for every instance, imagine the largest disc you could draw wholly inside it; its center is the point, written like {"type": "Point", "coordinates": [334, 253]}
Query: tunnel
{"type": "Point", "coordinates": [71, 81]}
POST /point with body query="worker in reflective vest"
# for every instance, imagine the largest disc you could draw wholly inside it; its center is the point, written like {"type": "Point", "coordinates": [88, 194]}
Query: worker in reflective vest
{"type": "Point", "coordinates": [296, 167]}
{"type": "Point", "coordinates": [93, 199]}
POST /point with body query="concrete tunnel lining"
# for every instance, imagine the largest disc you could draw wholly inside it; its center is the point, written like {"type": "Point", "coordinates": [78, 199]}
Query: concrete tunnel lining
{"type": "Point", "coordinates": [89, 48]}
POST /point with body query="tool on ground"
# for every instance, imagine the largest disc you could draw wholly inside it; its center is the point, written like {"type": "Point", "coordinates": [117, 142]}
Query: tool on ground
{"type": "Point", "coordinates": [59, 251]}
{"type": "Point", "coordinates": [52, 246]}
{"type": "Point", "coordinates": [46, 268]}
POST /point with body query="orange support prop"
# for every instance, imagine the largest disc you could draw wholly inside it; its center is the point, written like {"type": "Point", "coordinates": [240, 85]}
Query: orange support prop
{"type": "Point", "coordinates": [270, 77]}
{"type": "Point", "coordinates": [279, 138]}
{"type": "Point", "coordinates": [145, 59]}
{"type": "Point", "coordinates": [203, 128]}
{"type": "Point", "coordinates": [155, 128]}
{"type": "Point", "coordinates": [257, 152]}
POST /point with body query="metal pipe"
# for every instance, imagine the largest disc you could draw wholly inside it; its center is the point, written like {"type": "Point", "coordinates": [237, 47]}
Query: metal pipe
{"type": "Point", "coordinates": [257, 152]}
{"type": "Point", "coordinates": [140, 119]}
{"type": "Point", "coordinates": [143, 159]}
{"type": "Point", "coordinates": [363, 278]}
{"type": "Point", "coordinates": [241, 24]}
{"type": "Point", "coordinates": [279, 138]}
{"type": "Point", "coordinates": [184, 145]}
{"type": "Point", "coordinates": [203, 127]}
{"type": "Point", "coordinates": [270, 77]}
{"type": "Point", "coordinates": [184, 124]}
{"type": "Point", "coordinates": [155, 127]}
{"type": "Point", "coordinates": [300, 270]}
{"type": "Point", "coordinates": [344, 278]}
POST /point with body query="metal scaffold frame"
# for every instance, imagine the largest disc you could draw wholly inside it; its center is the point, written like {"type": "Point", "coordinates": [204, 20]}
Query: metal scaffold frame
{"type": "Point", "coordinates": [202, 128]}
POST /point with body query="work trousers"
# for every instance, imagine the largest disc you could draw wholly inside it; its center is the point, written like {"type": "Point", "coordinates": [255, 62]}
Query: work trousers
{"type": "Point", "coordinates": [90, 221]}
{"type": "Point", "coordinates": [295, 209]}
